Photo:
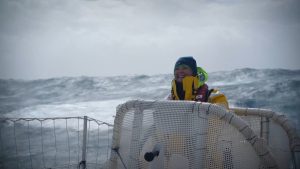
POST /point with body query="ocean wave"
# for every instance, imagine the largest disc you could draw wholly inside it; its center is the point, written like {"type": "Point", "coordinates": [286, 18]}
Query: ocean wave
{"type": "Point", "coordinates": [263, 88]}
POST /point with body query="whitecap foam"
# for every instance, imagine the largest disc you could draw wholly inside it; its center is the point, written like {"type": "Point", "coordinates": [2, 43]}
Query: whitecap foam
{"type": "Point", "coordinates": [100, 110]}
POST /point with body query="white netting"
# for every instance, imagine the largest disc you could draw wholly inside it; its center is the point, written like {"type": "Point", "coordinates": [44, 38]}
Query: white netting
{"type": "Point", "coordinates": [279, 132]}
{"type": "Point", "coordinates": [192, 135]}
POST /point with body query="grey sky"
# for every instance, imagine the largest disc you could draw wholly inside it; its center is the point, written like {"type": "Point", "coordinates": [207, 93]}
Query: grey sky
{"type": "Point", "coordinates": [50, 38]}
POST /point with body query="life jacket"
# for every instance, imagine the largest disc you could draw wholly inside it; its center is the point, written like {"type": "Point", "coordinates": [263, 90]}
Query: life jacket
{"type": "Point", "coordinates": [202, 75]}
{"type": "Point", "coordinates": [216, 97]}
{"type": "Point", "coordinates": [190, 86]}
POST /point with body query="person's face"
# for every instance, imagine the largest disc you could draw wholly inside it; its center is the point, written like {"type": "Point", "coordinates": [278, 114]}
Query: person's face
{"type": "Point", "coordinates": [182, 71]}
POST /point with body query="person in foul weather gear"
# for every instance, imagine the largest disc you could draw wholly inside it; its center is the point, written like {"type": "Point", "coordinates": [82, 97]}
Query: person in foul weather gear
{"type": "Point", "coordinates": [189, 81]}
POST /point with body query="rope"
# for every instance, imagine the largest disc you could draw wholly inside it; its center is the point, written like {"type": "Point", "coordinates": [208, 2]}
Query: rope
{"type": "Point", "coordinates": [15, 138]}
{"type": "Point", "coordinates": [54, 118]}
{"type": "Point", "coordinates": [117, 151]}
{"type": "Point", "coordinates": [78, 133]}
{"type": "Point", "coordinates": [2, 150]}
{"type": "Point", "coordinates": [42, 143]}
{"type": "Point", "coordinates": [29, 144]}
{"type": "Point", "coordinates": [107, 141]}
{"type": "Point", "coordinates": [54, 142]}
{"type": "Point", "coordinates": [98, 146]}
{"type": "Point", "coordinates": [68, 142]}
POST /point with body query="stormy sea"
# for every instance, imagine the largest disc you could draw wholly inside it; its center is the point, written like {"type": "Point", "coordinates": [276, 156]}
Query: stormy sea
{"type": "Point", "coordinates": [97, 98]}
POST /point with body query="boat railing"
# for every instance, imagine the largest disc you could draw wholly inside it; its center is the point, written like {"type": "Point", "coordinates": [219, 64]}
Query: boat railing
{"type": "Point", "coordinates": [58, 142]}
{"type": "Point", "coordinates": [270, 125]}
